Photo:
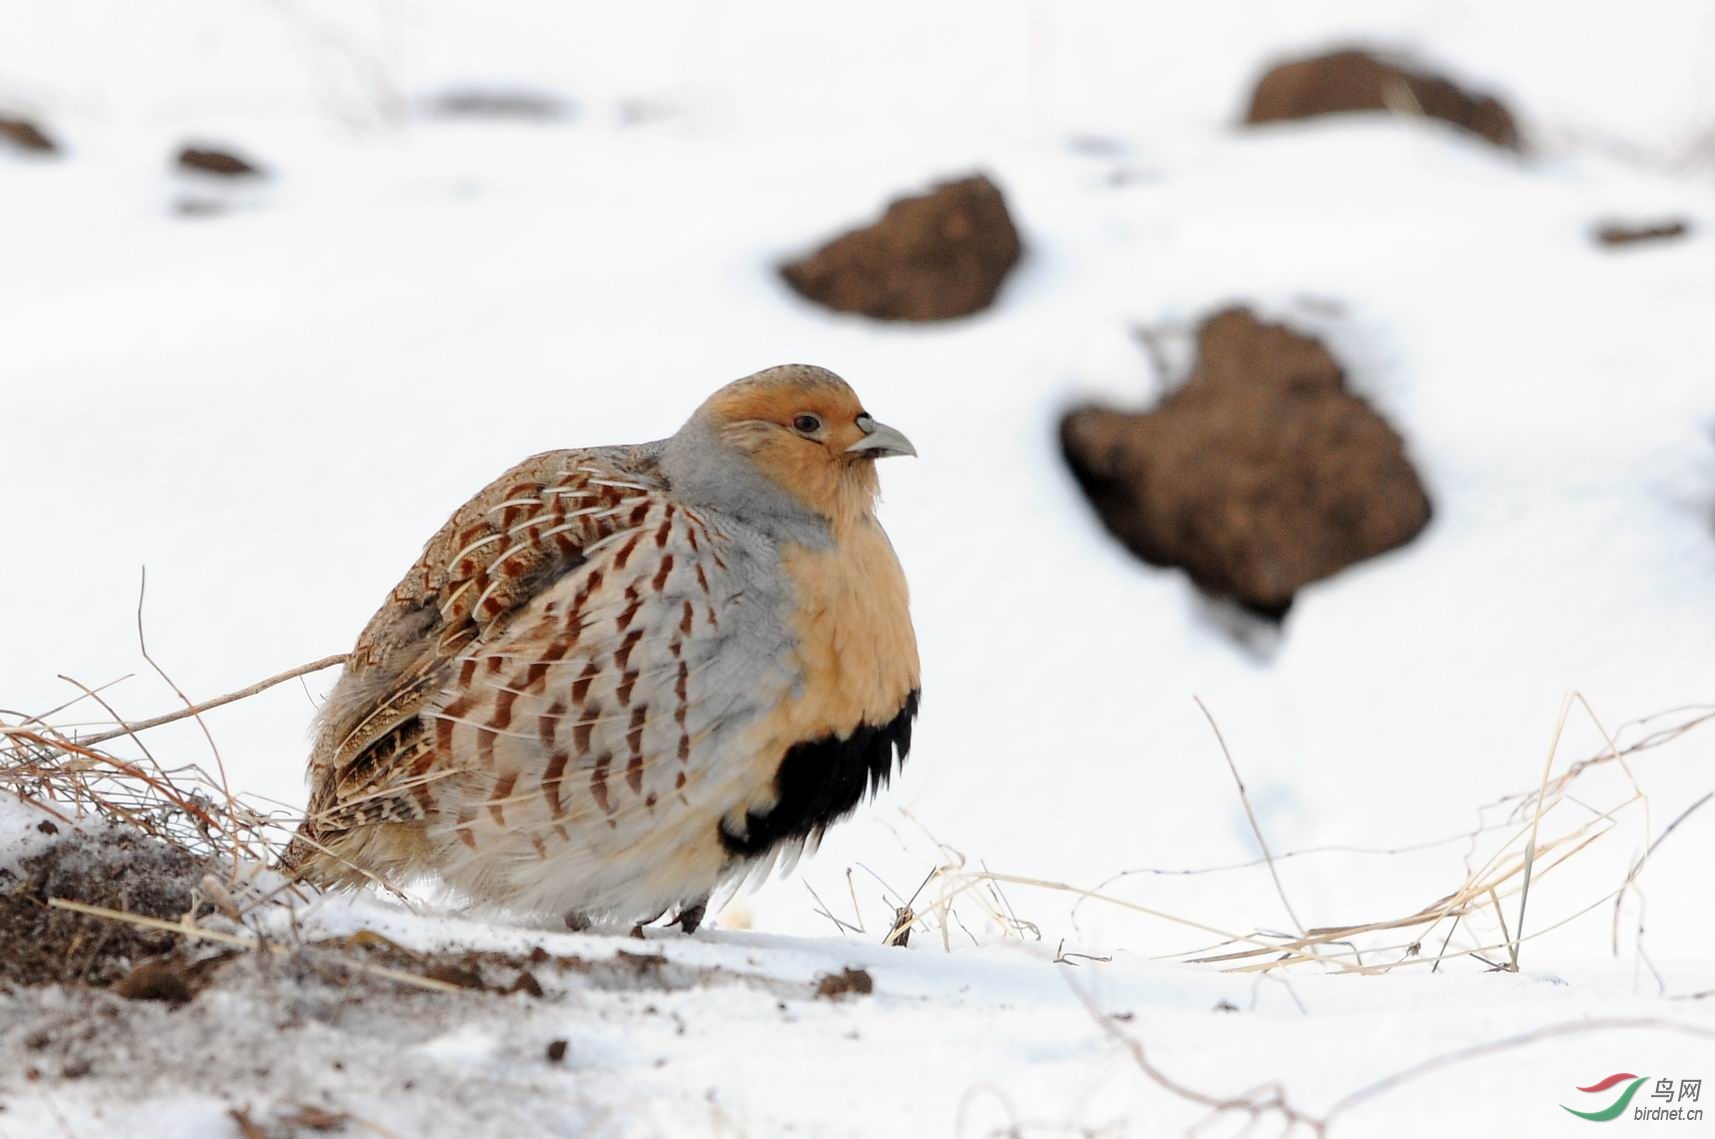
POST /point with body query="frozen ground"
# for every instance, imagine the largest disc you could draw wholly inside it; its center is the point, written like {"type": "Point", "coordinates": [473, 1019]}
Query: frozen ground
{"type": "Point", "coordinates": [271, 408]}
{"type": "Point", "coordinates": [736, 1033]}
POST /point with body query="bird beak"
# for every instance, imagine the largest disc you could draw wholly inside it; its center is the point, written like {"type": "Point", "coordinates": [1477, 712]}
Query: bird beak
{"type": "Point", "coordinates": [879, 441]}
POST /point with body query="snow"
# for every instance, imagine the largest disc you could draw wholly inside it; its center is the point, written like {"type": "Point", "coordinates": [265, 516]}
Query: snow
{"type": "Point", "coordinates": [22, 834]}
{"type": "Point", "coordinates": [272, 407]}
{"type": "Point", "coordinates": [726, 1037]}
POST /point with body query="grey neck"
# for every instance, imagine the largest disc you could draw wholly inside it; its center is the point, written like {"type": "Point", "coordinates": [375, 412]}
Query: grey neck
{"type": "Point", "coordinates": [705, 472]}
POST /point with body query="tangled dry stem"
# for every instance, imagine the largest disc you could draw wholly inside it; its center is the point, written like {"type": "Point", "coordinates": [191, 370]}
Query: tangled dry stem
{"type": "Point", "coordinates": [73, 778]}
{"type": "Point", "coordinates": [1520, 839]}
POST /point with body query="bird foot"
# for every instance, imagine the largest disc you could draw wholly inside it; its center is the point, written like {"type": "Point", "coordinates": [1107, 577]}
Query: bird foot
{"type": "Point", "coordinates": [690, 918]}
{"type": "Point", "coordinates": [577, 922]}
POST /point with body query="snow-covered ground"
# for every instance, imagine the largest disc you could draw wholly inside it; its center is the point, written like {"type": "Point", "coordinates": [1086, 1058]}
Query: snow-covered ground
{"type": "Point", "coordinates": [270, 408]}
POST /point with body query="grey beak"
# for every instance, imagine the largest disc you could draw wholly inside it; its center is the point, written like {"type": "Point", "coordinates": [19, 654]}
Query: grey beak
{"type": "Point", "coordinates": [879, 440]}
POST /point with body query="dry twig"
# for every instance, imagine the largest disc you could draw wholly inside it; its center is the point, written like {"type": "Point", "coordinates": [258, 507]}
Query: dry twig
{"type": "Point", "coordinates": [210, 705]}
{"type": "Point", "coordinates": [1250, 814]}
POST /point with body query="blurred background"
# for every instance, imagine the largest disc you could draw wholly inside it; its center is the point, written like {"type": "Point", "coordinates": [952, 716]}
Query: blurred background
{"type": "Point", "coordinates": [283, 282]}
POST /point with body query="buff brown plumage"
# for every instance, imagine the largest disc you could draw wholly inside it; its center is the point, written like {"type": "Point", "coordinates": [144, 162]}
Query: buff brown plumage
{"type": "Point", "coordinates": [618, 678]}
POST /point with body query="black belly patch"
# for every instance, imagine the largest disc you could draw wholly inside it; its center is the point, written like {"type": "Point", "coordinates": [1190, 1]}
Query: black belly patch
{"type": "Point", "coordinates": [821, 781]}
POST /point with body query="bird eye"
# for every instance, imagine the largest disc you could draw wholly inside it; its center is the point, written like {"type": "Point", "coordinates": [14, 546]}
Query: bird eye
{"type": "Point", "coordinates": [806, 424]}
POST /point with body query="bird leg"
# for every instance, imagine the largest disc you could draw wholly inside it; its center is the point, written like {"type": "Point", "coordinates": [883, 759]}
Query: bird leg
{"type": "Point", "coordinates": [637, 930]}
{"type": "Point", "coordinates": [690, 917]}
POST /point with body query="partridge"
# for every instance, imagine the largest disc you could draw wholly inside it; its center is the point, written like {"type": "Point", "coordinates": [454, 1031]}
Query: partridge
{"type": "Point", "coordinates": [622, 677]}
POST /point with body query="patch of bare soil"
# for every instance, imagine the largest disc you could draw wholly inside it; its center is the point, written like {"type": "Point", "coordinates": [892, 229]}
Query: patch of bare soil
{"type": "Point", "coordinates": [1259, 475]}
{"type": "Point", "coordinates": [24, 135]}
{"type": "Point", "coordinates": [119, 870]}
{"type": "Point", "coordinates": [1620, 233]}
{"type": "Point", "coordinates": [934, 256]}
{"type": "Point", "coordinates": [296, 1035]}
{"type": "Point", "coordinates": [293, 1043]}
{"type": "Point", "coordinates": [845, 983]}
{"type": "Point", "coordinates": [1355, 80]}
{"type": "Point", "coordinates": [220, 163]}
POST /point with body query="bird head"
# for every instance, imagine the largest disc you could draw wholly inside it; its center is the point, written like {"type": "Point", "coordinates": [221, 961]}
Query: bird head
{"type": "Point", "coordinates": [805, 432]}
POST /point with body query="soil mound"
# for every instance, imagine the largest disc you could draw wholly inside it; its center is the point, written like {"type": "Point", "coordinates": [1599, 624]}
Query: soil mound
{"type": "Point", "coordinates": [116, 869]}
{"type": "Point", "coordinates": [1356, 80]}
{"type": "Point", "coordinates": [1620, 233]}
{"type": "Point", "coordinates": [24, 135]}
{"type": "Point", "coordinates": [220, 163]}
{"type": "Point", "coordinates": [936, 256]}
{"type": "Point", "coordinates": [1259, 475]}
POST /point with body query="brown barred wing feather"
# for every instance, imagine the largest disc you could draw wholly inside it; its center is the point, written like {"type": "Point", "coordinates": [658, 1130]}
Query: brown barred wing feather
{"type": "Point", "coordinates": [523, 532]}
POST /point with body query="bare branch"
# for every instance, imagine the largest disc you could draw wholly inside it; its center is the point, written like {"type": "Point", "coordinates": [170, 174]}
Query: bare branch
{"type": "Point", "coordinates": [218, 701]}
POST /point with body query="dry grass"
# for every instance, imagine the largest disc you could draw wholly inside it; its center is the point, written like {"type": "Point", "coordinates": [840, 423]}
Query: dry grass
{"type": "Point", "coordinates": [1521, 840]}
{"type": "Point", "coordinates": [183, 806]}
{"type": "Point", "coordinates": [72, 777]}
{"type": "Point", "coordinates": [189, 809]}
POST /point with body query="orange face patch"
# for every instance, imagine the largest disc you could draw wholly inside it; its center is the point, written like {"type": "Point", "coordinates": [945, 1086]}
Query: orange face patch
{"type": "Point", "coordinates": [767, 419]}
{"type": "Point", "coordinates": [831, 401]}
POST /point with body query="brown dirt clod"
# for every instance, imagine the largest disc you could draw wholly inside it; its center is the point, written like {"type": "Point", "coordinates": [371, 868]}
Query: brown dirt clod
{"type": "Point", "coordinates": [220, 163]}
{"type": "Point", "coordinates": [26, 136]}
{"type": "Point", "coordinates": [1259, 475]}
{"type": "Point", "coordinates": [120, 870]}
{"type": "Point", "coordinates": [461, 974]}
{"type": "Point", "coordinates": [527, 984]}
{"type": "Point", "coordinates": [163, 979]}
{"type": "Point", "coordinates": [1620, 233]}
{"type": "Point", "coordinates": [845, 983]}
{"type": "Point", "coordinates": [935, 256]}
{"type": "Point", "coordinates": [1356, 80]}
